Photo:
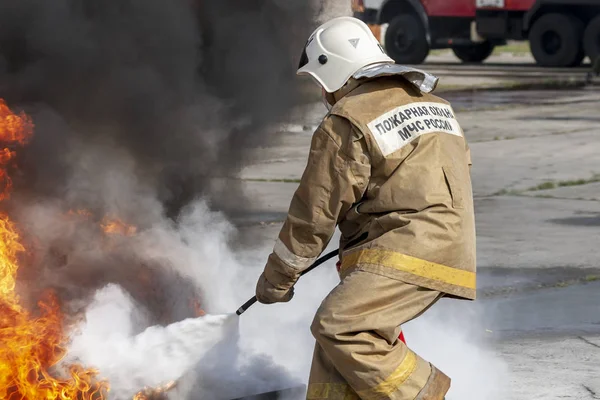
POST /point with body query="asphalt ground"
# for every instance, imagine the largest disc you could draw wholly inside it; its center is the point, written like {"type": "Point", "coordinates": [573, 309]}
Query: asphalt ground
{"type": "Point", "coordinates": [534, 332]}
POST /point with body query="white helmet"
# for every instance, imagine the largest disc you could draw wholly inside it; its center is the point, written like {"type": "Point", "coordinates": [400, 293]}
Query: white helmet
{"type": "Point", "coordinates": [338, 49]}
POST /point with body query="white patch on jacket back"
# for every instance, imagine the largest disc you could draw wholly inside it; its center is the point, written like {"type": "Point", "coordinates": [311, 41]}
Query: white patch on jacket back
{"type": "Point", "coordinates": [400, 126]}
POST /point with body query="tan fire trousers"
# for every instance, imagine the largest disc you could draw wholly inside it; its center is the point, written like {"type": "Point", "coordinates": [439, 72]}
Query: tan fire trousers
{"type": "Point", "coordinates": [358, 354]}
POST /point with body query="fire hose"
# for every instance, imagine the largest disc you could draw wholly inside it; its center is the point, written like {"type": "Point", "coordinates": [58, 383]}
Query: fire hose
{"type": "Point", "coordinates": [320, 261]}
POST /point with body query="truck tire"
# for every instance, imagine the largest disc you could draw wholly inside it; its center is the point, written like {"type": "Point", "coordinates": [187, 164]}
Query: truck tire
{"type": "Point", "coordinates": [406, 40]}
{"type": "Point", "coordinates": [591, 39]}
{"type": "Point", "coordinates": [475, 53]}
{"type": "Point", "coordinates": [555, 40]}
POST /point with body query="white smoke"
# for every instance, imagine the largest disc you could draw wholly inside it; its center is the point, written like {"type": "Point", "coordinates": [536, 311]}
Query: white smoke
{"type": "Point", "coordinates": [214, 357]}
{"type": "Point", "coordinates": [451, 335]}
{"type": "Point", "coordinates": [332, 9]}
{"type": "Point", "coordinates": [153, 358]}
{"type": "Point", "coordinates": [268, 347]}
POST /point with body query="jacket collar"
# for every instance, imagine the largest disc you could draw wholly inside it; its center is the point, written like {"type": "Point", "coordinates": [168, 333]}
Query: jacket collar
{"type": "Point", "coordinates": [423, 81]}
{"type": "Point", "coordinates": [346, 89]}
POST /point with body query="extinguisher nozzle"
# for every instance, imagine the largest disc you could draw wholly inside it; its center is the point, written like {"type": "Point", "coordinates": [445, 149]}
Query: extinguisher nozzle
{"type": "Point", "coordinates": [246, 306]}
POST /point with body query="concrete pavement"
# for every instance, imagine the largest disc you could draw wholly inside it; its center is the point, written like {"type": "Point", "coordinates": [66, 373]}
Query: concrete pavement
{"type": "Point", "coordinates": [538, 221]}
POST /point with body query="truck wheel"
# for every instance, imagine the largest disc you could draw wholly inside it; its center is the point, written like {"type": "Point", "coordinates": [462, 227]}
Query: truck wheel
{"type": "Point", "coordinates": [591, 39]}
{"type": "Point", "coordinates": [406, 40]}
{"type": "Point", "coordinates": [555, 40]}
{"type": "Point", "coordinates": [474, 53]}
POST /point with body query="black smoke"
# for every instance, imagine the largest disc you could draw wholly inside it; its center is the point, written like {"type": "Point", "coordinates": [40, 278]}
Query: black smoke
{"type": "Point", "coordinates": [186, 87]}
{"type": "Point", "coordinates": [138, 103]}
{"type": "Point", "coordinates": [140, 107]}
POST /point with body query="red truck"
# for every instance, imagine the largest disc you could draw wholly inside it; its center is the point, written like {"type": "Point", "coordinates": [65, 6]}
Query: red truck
{"type": "Point", "coordinates": [560, 32]}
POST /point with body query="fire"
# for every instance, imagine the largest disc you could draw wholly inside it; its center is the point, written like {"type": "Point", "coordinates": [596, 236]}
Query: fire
{"type": "Point", "coordinates": [198, 310]}
{"type": "Point", "coordinates": [117, 227]}
{"type": "Point", "coordinates": [155, 393]}
{"type": "Point", "coordinates": [32, 345]}
{"type": "Point", "coordinates": [14, 130]}
{"type": "Point", "coordinates": [80, 213]}
{"type": "Point", "coordinates": [110, 226]}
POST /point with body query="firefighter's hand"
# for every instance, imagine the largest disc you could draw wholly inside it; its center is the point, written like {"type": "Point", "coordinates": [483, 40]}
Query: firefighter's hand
{"type": "Point", "coordinates": [268, 293]}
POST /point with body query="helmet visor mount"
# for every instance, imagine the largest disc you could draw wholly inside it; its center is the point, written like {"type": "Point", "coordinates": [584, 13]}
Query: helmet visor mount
{"type": "Point", "coordinates": [303, 59]}
{"type": "Point", "coordinates": [303, 62]}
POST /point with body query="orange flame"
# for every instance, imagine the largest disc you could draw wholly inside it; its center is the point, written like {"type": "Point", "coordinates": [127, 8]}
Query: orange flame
{"type": "Point", "coordinates": [117, 227]}
{"type": "Point", "coordinates": [198, 310]}
{"type": "Point", "coordinates": [31, 347]}
{"type": "Point", "coordinates": [154, 393]}
{"type": "Point", "coordinates": [14, 130]}
{"type": "Point", "coordinates": [80, 213]}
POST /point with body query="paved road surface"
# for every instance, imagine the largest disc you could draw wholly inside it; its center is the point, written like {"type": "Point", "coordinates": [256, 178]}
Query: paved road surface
{"type": "Point", "coordinates": [535, 331]}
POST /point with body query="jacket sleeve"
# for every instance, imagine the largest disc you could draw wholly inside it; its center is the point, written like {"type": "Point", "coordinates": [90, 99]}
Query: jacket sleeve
{"type": "Point", "coordinates": [336, 177]}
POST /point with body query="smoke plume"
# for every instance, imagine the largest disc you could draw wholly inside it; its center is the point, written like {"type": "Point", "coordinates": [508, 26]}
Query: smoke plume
{"type": "Point", "coordinates": [185, 88]}
{"type": "Point", "coordinates": [140, 108]}
{"type": "Point", "coordinates": [144, 111]}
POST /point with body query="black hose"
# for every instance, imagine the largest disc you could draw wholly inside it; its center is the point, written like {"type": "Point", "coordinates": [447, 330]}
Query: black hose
{"type": "Point", "coordinates": [320, 261]}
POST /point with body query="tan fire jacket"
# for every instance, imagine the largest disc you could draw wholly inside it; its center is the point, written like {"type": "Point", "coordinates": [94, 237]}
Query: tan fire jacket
{"type": "Point", "coordinates": [390, 164]}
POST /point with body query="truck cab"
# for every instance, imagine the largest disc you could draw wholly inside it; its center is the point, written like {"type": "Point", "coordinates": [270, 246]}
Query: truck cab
{"type": "Point", "coordinates": [561, 32]}
{"type": "Point", "coordinates": [409, 29]}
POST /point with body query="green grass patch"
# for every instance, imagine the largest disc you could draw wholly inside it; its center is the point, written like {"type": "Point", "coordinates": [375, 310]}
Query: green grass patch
{"type": "Point", "coordinates": [543, 186]}
{"type": "Point", "coordinates": [593, 179]}
{"type": "Point", "coordinates": [553, 184]}
{"type": "Point", "coordinates": [548, 186]}
{"type": "Point", "coordinates": [507, 192]}
{"type": "Point", "coordinates": [440, 52]}
{"type": "Point", "coordinates": [516, 48]}
{"type": "Point", "coordinates": [573, 183]}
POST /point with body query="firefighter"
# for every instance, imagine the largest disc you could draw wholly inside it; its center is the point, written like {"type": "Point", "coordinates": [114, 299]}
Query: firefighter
{"type": "Point", "coordinates": [389, 166]}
